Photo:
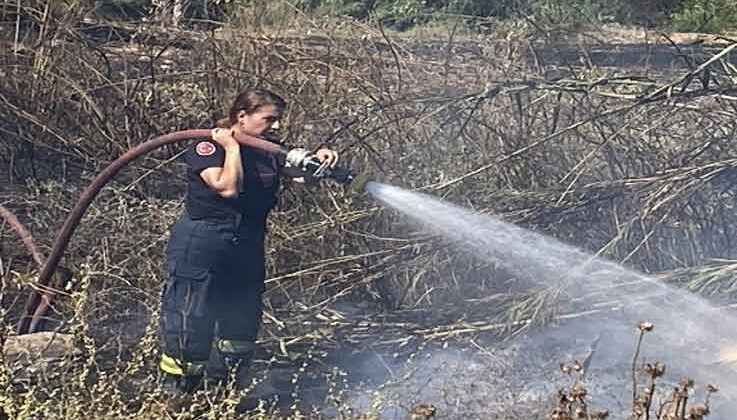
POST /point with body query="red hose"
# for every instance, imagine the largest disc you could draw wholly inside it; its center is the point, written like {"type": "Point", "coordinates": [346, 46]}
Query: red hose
{"type": "Point", "coordinates": [36, 305]}
{"type": "Point", "coordinates": [23, 233]}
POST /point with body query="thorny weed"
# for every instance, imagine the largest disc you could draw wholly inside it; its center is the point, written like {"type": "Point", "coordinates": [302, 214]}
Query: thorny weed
{"type": "Point", "coordinates": [572, 401]}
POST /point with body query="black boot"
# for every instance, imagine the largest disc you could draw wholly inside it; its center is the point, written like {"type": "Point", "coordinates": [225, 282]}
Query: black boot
{"type": "Point", "coordinates": [179, 380]}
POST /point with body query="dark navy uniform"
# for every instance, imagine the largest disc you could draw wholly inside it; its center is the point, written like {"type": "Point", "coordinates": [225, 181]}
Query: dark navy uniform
{"type": "Point", "coordinates": [215, 258]}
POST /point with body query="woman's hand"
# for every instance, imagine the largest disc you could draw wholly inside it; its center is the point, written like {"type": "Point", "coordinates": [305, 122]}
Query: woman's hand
{"type": "Point", "coordinates": [224, 137]}
{"type": "Point", "coordinates": [327, 155]}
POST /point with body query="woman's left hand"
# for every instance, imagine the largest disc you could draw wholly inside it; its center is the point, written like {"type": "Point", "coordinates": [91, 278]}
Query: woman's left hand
{"type": "Point", "coordinates": [327, 155]}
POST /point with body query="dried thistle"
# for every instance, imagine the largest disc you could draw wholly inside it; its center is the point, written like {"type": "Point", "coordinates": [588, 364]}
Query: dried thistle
{"type": "Point", "coordinates": [599, 414]}
{"type": "Point", "coordinates": [560, 414]}
{"type": "Point", "coordinates": [565, 368]}
{"type": "Point", "coordinates": [698, 411]}
{"type": "Point", "coordinates": [645, 326]}
{"type": "Point", "coordinates": [655, 370]}
{"type": "Point", "coordinates": [422, 411]}
{"type": "Point", "coordinates": [578, 392]}
{"type": "Point", "coordinates": [686, 383]}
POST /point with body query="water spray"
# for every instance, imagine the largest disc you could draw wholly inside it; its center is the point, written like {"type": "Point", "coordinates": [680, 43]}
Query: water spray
{"type": "Point", "coordinates": [41, 296]}
{"type": "Point", "coordinates": [603, 298]}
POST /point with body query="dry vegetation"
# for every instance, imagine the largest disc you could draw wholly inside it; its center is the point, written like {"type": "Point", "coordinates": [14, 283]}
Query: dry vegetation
{"type": "Point", "coordinates": [636, 164]}
{"type": "Point", "coordinates": [648, 400]}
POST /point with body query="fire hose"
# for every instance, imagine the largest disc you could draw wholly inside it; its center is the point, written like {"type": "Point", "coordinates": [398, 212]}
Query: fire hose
{"type": "Point", "coordinates": [41, 296]}
{"type": "Point", "coordinates": [23, 233]}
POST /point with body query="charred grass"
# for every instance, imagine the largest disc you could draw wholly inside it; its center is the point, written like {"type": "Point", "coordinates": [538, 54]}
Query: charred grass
{"type": "Point", "coordinates": [628, 162]}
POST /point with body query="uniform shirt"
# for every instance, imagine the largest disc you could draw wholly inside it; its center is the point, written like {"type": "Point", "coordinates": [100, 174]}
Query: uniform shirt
{"type": "Point", "coordinates": [259, 189]}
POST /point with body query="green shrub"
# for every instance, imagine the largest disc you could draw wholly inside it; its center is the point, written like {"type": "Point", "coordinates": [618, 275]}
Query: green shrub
{"type": "Point", "coordinates": [135, 9]}
{"type": "Point", "coordinates": [402, 15]}
{"type": "Point", "coordinates": [706, 16]}
{"type": "Point", "coordinates": [396, 14]}
{"type": "Point", "coordinates": [647, 13]}
{"type": "Point", "coordinates": [686, 15]}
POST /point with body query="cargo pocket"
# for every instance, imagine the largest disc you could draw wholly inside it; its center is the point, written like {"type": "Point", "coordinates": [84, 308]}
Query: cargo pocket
{"type": "Point", "coordinates": [187, 322]}
{"type": "Point", "coordinates": [190, 259]}
{"type": "Point", "coordinates": [191, 287]}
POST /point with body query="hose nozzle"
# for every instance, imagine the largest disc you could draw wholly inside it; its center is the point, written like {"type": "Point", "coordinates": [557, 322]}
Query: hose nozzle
{"type": "Point", "coordinates": [308, 162]}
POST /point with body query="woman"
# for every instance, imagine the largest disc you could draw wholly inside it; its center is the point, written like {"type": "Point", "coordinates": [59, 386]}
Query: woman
{"type": "Point", "coordinates": [215, 254]}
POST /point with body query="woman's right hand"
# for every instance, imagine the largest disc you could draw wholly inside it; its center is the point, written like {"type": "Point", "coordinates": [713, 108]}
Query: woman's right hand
{"type": "Point", "coordinates": [224, 137]}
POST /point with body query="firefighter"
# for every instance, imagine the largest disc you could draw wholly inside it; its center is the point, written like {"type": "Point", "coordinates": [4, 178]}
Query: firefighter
{"type": "Point", "coordinates": [215, 254]}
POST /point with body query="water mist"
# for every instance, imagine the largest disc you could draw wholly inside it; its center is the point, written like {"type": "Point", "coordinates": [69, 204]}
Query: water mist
{"type": "Point", "coordinates": [689, 332]}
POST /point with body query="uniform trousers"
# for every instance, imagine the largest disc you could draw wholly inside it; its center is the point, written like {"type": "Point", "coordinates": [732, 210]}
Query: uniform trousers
{"type": "Point", "coordinates": [214, 290]}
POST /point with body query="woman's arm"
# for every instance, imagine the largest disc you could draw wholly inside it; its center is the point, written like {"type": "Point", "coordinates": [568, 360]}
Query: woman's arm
{"type": "Point", "coordinates": [226, 181]}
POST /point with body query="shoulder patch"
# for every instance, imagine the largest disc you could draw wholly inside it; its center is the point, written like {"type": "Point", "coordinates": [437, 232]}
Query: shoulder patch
{"type": "Point", "coordinates": [205, 148]}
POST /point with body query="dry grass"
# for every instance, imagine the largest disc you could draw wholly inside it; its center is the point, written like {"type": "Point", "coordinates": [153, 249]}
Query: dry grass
{"type": "Point", "coordinates": [632, 164]}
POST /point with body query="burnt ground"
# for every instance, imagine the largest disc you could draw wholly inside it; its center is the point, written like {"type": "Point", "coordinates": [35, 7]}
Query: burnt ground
{"type": "Point", "coordinates": [486, 379]}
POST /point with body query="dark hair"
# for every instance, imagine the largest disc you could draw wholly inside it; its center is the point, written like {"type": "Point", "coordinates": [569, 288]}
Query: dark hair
{"type": "Point", "coordinates": [249, 101]}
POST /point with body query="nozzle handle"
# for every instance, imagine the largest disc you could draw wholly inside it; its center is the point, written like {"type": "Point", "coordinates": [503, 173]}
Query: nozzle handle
{"type": "Point", "coordinates": [308, 162]}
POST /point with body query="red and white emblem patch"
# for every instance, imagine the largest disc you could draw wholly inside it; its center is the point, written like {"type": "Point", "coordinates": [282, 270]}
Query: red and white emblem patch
{"type": "Point", "coordinates": [205, 148]}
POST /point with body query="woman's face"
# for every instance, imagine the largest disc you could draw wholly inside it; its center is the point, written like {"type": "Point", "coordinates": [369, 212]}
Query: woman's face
{"type": "Point", "coordinates": [264, 122]}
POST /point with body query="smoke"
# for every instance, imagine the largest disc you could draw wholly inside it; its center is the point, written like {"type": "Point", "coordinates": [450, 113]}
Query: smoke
{"type": "Point", "coordinates": [690, 333]}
